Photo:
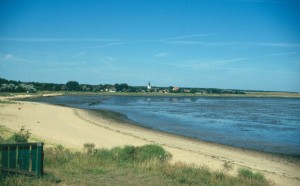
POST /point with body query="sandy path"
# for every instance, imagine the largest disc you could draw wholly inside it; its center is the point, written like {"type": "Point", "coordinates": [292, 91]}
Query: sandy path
{"type": "Point", "coordinates": [74, 127]}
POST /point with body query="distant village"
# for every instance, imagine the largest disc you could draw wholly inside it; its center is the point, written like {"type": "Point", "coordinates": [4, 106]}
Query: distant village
{"type": "Point", "coordinates": [31, 87]}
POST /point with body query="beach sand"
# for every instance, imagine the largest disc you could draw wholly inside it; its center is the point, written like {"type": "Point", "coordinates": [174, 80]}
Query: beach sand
{"type": "Point", "coordinates": [73, 127]}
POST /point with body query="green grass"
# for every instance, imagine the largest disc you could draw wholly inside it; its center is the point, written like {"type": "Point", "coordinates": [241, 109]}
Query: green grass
{"type": "Point", "coordinates": [7, 102]}
{"type": "Point", "coordinates": [128, 165]}
{"type": "Point", "coordinates": [5, 134]}
{"type": "Point", "coordinates": [248, 174]}
{"type": "Point", "coordinates": [5, 94]}
{"type": "Point", "coordinates": [146, 165]}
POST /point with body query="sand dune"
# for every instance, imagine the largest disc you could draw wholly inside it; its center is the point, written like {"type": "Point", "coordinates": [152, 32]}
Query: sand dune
{"type": "Point", "coordinates": [74, 127]}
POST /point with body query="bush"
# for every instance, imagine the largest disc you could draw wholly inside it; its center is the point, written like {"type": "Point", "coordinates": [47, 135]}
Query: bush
{"type": "Point", "coordinates": [57, 156]}
{"type": "Point", "coordinates": [123, 155]}
{"type": "Point", "coordinates": [22, 136]}
{"type": "Point", "coordinates": [248, 174]}
{"type": "Point", "coordinates": [151, 152]}
{"type": "Point", "coordinates": [129, 154]}
{"type": "Point", "coordinates": [89, 148]}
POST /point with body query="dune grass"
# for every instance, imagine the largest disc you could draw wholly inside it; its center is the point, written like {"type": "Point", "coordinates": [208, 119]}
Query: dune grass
{"type": "Point", "coordinates": [248, 174]}
{"type": "Point", "coordinates": [128, 165]}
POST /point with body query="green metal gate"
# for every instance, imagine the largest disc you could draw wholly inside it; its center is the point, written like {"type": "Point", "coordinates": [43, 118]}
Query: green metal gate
{"type": "Point", "coordinates": [22, 158]}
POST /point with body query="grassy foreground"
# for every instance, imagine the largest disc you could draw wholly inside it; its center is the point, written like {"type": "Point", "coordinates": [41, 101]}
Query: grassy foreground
{"type": "Point", "coordinates": [128, 165]}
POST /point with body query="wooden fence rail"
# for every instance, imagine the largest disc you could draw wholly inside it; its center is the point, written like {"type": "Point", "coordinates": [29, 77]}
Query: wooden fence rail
{"type": "Point", "coordinates": [22, 158]}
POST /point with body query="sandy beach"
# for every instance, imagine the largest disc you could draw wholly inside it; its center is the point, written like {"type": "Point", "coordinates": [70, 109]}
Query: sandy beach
{"type": "Point", "coordinates": [73, 127]}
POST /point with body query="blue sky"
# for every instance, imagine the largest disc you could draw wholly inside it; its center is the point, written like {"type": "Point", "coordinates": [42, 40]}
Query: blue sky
{"type": "Point", "coordinates": [238, 44]}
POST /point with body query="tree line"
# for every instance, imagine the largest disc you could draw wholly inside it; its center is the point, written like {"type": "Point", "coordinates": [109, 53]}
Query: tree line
{"type": "Point", "coordinates": [32, 87]}
{"type": "Point", "coordinates": [18, 86]}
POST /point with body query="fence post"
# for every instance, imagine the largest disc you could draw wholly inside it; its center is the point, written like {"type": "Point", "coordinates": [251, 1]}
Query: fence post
{"type": "Point", "coordinates": [40, 159]}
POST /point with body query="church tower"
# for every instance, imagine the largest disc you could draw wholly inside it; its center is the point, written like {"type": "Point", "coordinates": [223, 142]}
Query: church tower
{"type": "Point", "coordinates": [149, 86]}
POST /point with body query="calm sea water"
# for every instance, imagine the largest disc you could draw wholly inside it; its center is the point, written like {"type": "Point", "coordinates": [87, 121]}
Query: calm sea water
{"type": "Point", "coordinates": [264, 124]}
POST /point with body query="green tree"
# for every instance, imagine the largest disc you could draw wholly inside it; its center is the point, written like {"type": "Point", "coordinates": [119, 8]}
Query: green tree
{"type": "Point", "coordinates": [124, 87]}
{"type": "Point", "coordinates": [72, 86]}
{"type": "Point", "coordinates": [121, 87]}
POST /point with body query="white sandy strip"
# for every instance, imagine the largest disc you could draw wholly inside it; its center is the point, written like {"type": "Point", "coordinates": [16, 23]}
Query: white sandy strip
{"type": "Point", "coordinates": [74, 127]}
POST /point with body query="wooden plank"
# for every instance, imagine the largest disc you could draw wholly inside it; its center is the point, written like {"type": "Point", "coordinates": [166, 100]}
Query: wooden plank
{"type": "Point", "coordinates": [26, 158]}
{"type": "Point", "coordinates": [34, 158]}
{"type": "Point", "coordinates": [20, 157]}
{"type": "Point", "coordinates": [17, 171]}
{"type": "Point", "coordinates": [12, 157]}
{"type": "Point", "coordinates": [4, 161]}
{"type": "Point", "coordinates": [16, 144]}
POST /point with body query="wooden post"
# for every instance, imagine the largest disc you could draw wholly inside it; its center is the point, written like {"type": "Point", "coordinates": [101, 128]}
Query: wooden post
{"type": "Point", "coordinates": [40, 159]}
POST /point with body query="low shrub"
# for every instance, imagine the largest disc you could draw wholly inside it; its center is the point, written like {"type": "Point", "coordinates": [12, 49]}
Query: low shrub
{"type": "Point", "coordinates": [151, 152]}
{"type": "Point", "coordinates": [89, 148]}
{"type": "Point", "coordinates": [57, 155]}
{"type": "Point", "coordinates": [248, 174]}
{"type": "Point", "coordinates": [22, 136]}
{"type": "Point", "coordinates": [128, 154]}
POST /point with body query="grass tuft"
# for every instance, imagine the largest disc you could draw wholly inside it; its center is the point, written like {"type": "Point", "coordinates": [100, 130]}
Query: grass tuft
{"type": "Point", "coordinates": [151, 152]}
{"type": "Point", "coordinates": [228, 166]}
{"type": "Point", "coordinates": [89, 148]}
{"type": "Point", "coordinates": [248, 174]}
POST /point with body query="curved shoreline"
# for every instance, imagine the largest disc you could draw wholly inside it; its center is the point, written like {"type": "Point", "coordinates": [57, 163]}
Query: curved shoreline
{"type": "Point", "coordinates": [73, 127]}
{"type": "Point", "coordinates": [276, 148]}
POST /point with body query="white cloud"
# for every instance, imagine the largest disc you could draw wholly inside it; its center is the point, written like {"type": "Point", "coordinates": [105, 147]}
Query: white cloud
{"type": "Point", "coordinates": [162, 54]}
{"type": "Point", "coordinates": [201, 64]}
{"type": "Point", "coordinates": [234, 60]}
{"type": "Point", "coordinates": [56, 39]}
{"type": "Point", "coordinates": [278, 44]}
{"type": "Point", "coordinates": [219, 44]}
{"type": "Point", "coordinates": [81, 53]}
{"type": "Point", "coordinates": [281, 54]}
{"type": "Point", "coordinates": [98, 46]}
{"type": "Point", "coordinates": [217, 63]}
{"type": "Point", "coordinates": [12, 58]}
{"type": "Point", "coordinates": [8, 56]}
{"type": "Point", "coordinates": [188, 36]}
{"type": "Point", "coordinates": [110, 58]}
{"type": "Point", "coordinates": [186, 42]}
{"type": "Point", "coordinates": [297, 62]}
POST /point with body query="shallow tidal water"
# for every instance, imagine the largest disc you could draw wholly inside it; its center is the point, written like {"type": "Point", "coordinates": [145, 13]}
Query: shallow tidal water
{"type": "Point", "coordinates": [263, 124]}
